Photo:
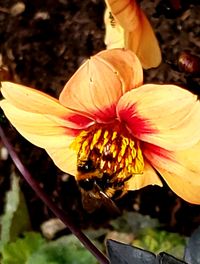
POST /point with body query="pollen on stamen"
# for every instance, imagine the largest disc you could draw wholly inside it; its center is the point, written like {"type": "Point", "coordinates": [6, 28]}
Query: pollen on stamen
{"type": "Point", "coordinates": [133, 152]}
{"type": "Point", "coordinates": [106, 140]}
{"type": "Point", "coordinates": [126, 162]}
{"type": "Point", "coordinates": [98, 134]}
{"type": "Point", "coordinates": [85, 145]}
{"type": "Point", "coordinates": [129, 168]}
{"type": "Point", "coordinates": [95, 139]}
{"type": "Point", "coordinates": [119, 158]}
{"type": "Point", "coordinates": [132, 144]}
{"type": "Point", "coordinates": [112, 150]}
{"type": "Point", "coordinates": [106, 133]}
{"type": "Point", "coordinates": [114, 135]}
{"type": "Point", "coordinates": [114, 153]}
{"type": "Point", "coordinates": [130, 160]}
{"type": "Point", "coordinates": [122, 151]}
{"type": "Point", "coordinates": [102, 163]}
{"type": "Point", "coordinates": [101, 148]}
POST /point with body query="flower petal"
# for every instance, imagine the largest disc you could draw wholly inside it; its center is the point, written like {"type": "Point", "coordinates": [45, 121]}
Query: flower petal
{"type": "Point", "coordinates": [43, 131]}
{"type": "Point", "coordinates": [163, 115]}
{"type": "Point", "coordinates": [39, 129]}
{"type": "Point", "coordinates": [138, 33]}
{"type": "Point", "coordinates": [126, 12]}
{"type": "Point", "coordinates": [149, 177]}
{"type": "Point", "coordinates": [145, 45]}
{"type": "Point", "coordinates": [109, 74]}
{"type": "Point", "coordinates": [64, 158]}
{"type": "Point", "coordinates": [32, 100]}
{"type": "Point", "coordinates": [126, 65]}
{"type": "Point", "coordinates": [114, 33]}
{"type": "Point", "coordinates": [180, 170]}
{"type": "Point", "coordinates": [187, 190]}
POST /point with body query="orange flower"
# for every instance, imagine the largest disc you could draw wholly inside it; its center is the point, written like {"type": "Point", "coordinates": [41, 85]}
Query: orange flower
{"type": "Point", "coordinates": [105, 132]}
{"type": "Point", "coordinates": [127, 26]}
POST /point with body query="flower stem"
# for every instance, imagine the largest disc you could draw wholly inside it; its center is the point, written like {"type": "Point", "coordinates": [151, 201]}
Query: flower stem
{"type": "Point", "coordinates": [64, 217]}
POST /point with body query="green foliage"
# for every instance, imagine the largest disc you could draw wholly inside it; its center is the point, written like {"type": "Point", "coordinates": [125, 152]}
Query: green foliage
{"type": "Point", "coordinates": [133, 222]}
{"type": "Point", "coordinates": [158, 240]}
{"type": "Point", "coordinates": [19, 252]}
{"type": "Point", "coordinates": [34, 249]}
{"type": "Point", "coordinates": [64, 250]}
{"type": "Point", "coordinates": [15, 219]}
{"type": "Point", "coordinates": [149, 237]}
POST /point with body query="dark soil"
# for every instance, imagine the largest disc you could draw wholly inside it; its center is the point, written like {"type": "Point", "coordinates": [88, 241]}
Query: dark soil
{"type": "Point", "coordinates": [43, 46]}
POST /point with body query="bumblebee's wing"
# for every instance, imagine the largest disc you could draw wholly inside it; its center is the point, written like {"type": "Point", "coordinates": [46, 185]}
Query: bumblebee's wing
{"type": "Point", "coordinates": [90, 201]}
{"type": "Point", "coordinates": [109, 204]}
{"type": "Point", "coordinates": [96, 198]}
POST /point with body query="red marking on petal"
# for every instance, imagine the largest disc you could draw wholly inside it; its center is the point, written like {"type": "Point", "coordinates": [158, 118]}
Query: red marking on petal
{"type": "Point", "coordinates": [72, 132]}
{"type": "Point", "coordinates": [154, 150]}
{"type": "Point", "coordinates": [105, 115]}
{"type": "Point", "coordinates": [136, 124]}
{"type": "Point", "coordinates": [80, 120]}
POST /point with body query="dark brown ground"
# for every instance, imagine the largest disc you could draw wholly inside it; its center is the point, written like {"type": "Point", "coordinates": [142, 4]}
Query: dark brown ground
{"type": "Point", "coordinates": [43, 46]}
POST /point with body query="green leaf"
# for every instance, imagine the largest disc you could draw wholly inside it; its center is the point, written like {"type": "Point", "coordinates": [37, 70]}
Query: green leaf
{"type": "Point", "coordinates": [15, 219]}
{"type": "Point", "coordinates": [159, 240]}
{"type": "Point", "coordinates": [66, 250]}
{"type": "Point", "coordinates": [19, 252]}
{"type": "Point", "coordinates": [133, 222]}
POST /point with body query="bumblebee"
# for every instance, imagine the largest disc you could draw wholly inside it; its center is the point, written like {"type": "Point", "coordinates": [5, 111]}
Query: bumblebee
{"type": "Point", "coordinates": [99, 188]}
{"type": "Point", "coordinates": [106, 160]}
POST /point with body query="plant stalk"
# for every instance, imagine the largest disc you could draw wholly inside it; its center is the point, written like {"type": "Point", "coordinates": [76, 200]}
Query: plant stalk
{"type": "Point", "coordinates": [63, 216]}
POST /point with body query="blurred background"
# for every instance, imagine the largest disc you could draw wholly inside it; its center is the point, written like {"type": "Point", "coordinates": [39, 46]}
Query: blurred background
{"type": "Point", "coordinates": [42, 43]}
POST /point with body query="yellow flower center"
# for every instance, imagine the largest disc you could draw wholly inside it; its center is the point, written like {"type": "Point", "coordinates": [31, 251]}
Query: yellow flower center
{"type": "Point", "coordinates": [108, 154]}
